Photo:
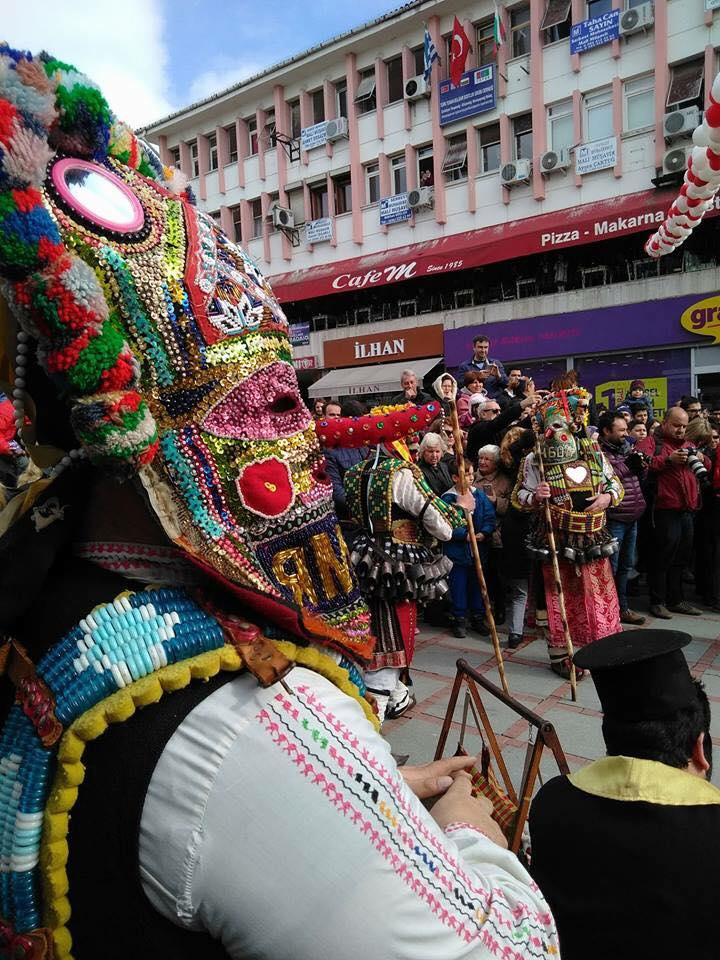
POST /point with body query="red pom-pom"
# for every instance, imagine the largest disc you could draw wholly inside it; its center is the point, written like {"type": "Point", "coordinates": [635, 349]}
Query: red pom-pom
{"type": "Point", "coordinates": [712, 115]}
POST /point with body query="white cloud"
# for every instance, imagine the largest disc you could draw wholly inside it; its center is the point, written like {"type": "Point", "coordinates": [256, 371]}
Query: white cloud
{"type": "Point", "coordinates": [118, 45]}
{"type": "Point", "coordinates": [222, 76]}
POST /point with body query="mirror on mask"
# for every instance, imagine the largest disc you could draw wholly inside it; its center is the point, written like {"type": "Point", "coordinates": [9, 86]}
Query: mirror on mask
{"type": "Point", "coordinates": [99, 196]}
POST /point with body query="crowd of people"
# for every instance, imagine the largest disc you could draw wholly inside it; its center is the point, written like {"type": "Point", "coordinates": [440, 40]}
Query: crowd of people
{"type": "Point", "coordinates": [664, 528]}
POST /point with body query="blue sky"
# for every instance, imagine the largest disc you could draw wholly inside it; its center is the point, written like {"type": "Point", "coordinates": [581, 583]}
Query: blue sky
{"type": "Point", "coordinates": [151, 57]}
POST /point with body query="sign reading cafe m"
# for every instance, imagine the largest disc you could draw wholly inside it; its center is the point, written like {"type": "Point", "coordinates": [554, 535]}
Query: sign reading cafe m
{"type": "Point", "coordinates": [397, 271]}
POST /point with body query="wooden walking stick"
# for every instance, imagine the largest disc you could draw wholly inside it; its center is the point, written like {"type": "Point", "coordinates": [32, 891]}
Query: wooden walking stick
{"type": "Point", "coordinates": [462, 479]}
{"type": "Point", "coordinates": [556, 571]}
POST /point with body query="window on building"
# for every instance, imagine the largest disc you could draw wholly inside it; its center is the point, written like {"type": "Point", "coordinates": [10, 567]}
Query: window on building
{"type": "Point", "coordinates": [426, 167]}
{"type": "Point", "coordinates": [560, 125]}
{"type": "Point", "coordinates": [372, 182]}
{"type": "Point", "coordinates": [365, 96]}
{"type": "Point", "coordinates": [296, 203]}
{"type": "Point", "coordinates": [231, 132]}
{"type": "Point", "coordinates": [522, 137]}
{"type": "Point", "coordinates": [633, 3]}
{"type": "Point", "coordinates": [257, 217]}
{"type": "Point", "coordinates": [174, 157]}
{"type": "Point", "coordinates": [269, 129]}
{"type": "Point", "coordinates": [556, 21]}
{"type": "Point", "coordinates": [295, 124]}
{"type": "Point", "coordinates": [398, 174]}
{"type": "Point", "coordinates": [597, 8]}
{"type": "Point", "coordinates": [686, 83]}
{"type": "Point", "coordinates": [194, 162]}
{"type": "Point", "coordinates": [342, 190]}
{"type": "Point", "coordinates": [485, 42]}
{"type": "Point", "coordinates": [215, 216]}
{"type": "Point", "coordinates": [317, 103]}
{"type": "Point", "coordinates": [341, 98]}
{"type": "Point", "coordinates": [418, 55]}
{"type": "Point", "coordinates": [454, 166]}
{"type": "Point", "coordinates": [212, 152]}
{"type": "Point", "coordinates": [520, 30]}
{"type": "Point", "coordinates": [395, 86]}
{"type": "Point", "coordinates": [598, 108]}
{"type": "Point", "coordinates": [252, 135]}
{"type": "Point", "coordinates": [319, 207]}
{"type": "Point", "coordinates": [639, 103]}
{"type": "Point", "coordinates": [236, 214]}
{"type": "Point", "coordinates": [489, 148]}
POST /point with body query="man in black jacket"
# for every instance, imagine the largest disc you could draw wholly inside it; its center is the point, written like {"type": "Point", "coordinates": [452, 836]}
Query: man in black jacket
{"type": "Point", "coordinates": [493, 422]}
{"type": "Point", "coordinates": [410, 391]}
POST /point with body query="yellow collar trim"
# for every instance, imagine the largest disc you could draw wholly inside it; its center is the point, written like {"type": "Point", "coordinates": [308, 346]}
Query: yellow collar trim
{"type": "Point", "coordinates": [628, 778]}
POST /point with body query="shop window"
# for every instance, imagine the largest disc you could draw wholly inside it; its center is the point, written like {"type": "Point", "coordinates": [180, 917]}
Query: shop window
{"type": "Point", "coordinates": [560, 125]}
{"type": "Point", "coordinates": [639, 103]}
{"type": "Point", "coordinates": [257, 217]}
{"type": "Point", "coordinates": [597, 8]}
{"type": "Point", "coordinates": [394, 79]}
{"type": "Point", "coordinates": [236, 214]}
{"type": "Point", "coordinates": [418, 55]}
{"type": "Point", "coordinates": [319, 201]}
{"type": "Point", "coordinates": [252, 135]}
{"type": "Point", "coordinates": [522, 137]}
{"type": "Point", "coordinates": [342, 190]}
{"type": "Point", "coordinates": [598, 108]}
{"type": "Point", "coordinates": [686, 83]}
{"type": "Point", "coordinates": [341, 98]}
{"type": "Point", "coordinates": [556, 21]}
{"type": "Point", "coordinates": [231, 132]}
{"type": "Point", "coordinates": [194, 162]}
{"type": "Point", "coordinates": [520, 30]}
{"type": "Point", "coordinates": [372, 182]}
{"type": "Point", "coordinates": [426, 168]}
{"type": "Point", "coordinates": [295, 123]}
{"type": "Point", "coordinates": [398, 173]}
{"type": "Point", "coordinates": [365, 94]}
{"type": "Point", "coordinates": [317, 104]}
{"type": "Point", "coordinates": [174, 157]}
{"type": "Point", "coordinates": [296, 203]}
{"type": "Point", "coordinates": [454, 166]}
{"type": "Point", "coordinates": [489, 148]}
{"type": "Point", "coordinates": [212, 152]}
{"type": "Point", "coordinates": [485, 42]}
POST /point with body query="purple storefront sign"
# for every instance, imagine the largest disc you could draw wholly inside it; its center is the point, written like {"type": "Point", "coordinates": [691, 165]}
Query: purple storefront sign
{"type": "Point", "coordinates": [645, 325]}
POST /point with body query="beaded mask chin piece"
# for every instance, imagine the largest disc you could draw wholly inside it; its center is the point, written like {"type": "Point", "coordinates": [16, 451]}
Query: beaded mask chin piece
{"type": "Point", "coordinates": [171, 348]}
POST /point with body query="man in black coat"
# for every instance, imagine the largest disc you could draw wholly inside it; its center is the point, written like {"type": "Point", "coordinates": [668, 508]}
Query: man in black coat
{"type": "Point", "coordinates": [493, 422]}
{"type": "Point", "coordinates": [626, 849]}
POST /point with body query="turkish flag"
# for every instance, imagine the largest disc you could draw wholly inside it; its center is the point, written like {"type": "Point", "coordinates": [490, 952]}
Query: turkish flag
{"type": "Point", "coordinates": [459, 49]}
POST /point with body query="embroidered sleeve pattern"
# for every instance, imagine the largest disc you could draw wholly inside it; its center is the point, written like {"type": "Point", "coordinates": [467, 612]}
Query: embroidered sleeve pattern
{"type": "Point", "coordinates": [411, 493]}
{"type": "Point", "coordinates": [484, 921]}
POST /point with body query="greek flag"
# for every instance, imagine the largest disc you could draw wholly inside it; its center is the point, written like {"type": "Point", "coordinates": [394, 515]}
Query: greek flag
{"type": "Point", "coordinates": [430, 55]}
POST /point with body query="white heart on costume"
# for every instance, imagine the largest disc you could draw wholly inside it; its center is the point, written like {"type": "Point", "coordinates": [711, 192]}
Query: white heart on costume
{"type": "Point", "coordinates": [576, 474]}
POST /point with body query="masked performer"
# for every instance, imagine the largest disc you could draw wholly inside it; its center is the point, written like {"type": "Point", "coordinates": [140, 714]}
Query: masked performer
{"type": "Point", "coordinates": [145, 813]}
{"type": "Point", "coordinates": [580, 485]}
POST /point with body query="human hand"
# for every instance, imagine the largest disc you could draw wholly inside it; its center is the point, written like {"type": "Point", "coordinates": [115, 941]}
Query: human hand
{"type": "Point", "coordinates": [598, 503]}
{"type": "Point", "coordinates": [679, 456]}
{"type": "Point", "coordinates": [466, 501]}
{"type": "Point", "coordinates": [542, 491]}
{"type": "Point", "coordinates": [432, 779]}
{"type": "Point", "coordinates": [479, 537]}
{"type": "Point", "coordinates": [459, 806]}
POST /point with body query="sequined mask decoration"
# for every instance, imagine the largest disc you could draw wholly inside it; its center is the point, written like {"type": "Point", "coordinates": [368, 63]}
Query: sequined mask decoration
{"type": "Point", "coordinates": [172, 348]}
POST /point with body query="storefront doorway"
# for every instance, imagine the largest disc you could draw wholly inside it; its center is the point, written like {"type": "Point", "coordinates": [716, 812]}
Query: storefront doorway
{"type": "Point", "coordinates": [706, 370]}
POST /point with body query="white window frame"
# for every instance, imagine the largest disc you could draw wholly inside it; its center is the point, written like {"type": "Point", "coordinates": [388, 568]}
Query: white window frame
{"type": "Point", "coordinates": [699, 62]}
{"type": "Point", "coordinates": [422, 153]}
{"type": "Point", "coordinates": [252, 132]}
{"type": "Point", "coordinates": [481, 147]}
{"type": "Point", "coordinates": [340, 88]}
{"type": "Point", "coordinates": [366, 93]}
{"type": "Point", "coordinates": [175, 157]}
{"type": "Point", "coordinates": [295, 130]}
{"type": "Point", "coordinates": [296, 203]}
{"type": "Point", "coordinates": [636, 87]}
{"type": "Point", "coordinates": [312, 95]}
{"type": "Point", "coordinates": [236, 219]}
{"type": "Point", "coordinates": [212, 152]}
{"type": "Point", "coordinates": [558, 112]}
{"type": "Point", "coordinates": [597, 100]}
{"type": "Point", "coordinates": [194, 159]}
{"type": "Point", "coordinates": [512, 30]}
{"type": "Point", "coordinates": [231, 132]}
{"type": "Point", "coordinates": [515, 135]}
{"type": "Point", "coordinates": [386, 65]}
{"type": "Point", "coordinates": [454, 165]}
{"type": "Point", "coordinates": [589, 15]}
{"type": "Point", "coordinates": [257, 221]}
{"type": "Point", "coordinates": [372, 174]}
{"type": "Point", "coordinates": [398, 171]}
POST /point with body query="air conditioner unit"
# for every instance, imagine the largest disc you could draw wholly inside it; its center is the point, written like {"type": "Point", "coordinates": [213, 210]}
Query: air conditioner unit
{"type": "Point", "coordinates": [681, 122]}
{"type": "Point", "coordinates": [516, 172]}
{"type": "Point", "coordinates": [416, 88]}
{"type": "Point", "coordinates": [421, 197]}
{"type": "Point", "coordinates": [282, 217]}
{"type": "Point", "coordinates": [336, 129]}
{"type": "Point", "coordinates": [555, 160]}
{"type": "Point", "coordinates": [675, 160]}
{"type": "Point", "coordinates": [636, 19]}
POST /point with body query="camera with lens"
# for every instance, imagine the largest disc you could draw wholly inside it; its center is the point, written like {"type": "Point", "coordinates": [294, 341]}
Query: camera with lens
{"type": "Point", "coordinates": [637, 462]}
{"type": "Point", "coordinates": [697, 465]}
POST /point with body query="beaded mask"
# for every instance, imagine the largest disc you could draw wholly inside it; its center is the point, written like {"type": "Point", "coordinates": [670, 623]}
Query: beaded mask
{"type": "Point", "coordinates": [561, 414]}
{"type": "Point", "coordinates": [171, 349]}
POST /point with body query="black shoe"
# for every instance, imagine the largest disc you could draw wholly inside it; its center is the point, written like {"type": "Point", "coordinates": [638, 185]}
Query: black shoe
{"type": "Point", "coordinates": [500, 618]}
{"type": "Point", "coordinates": [407, 703]}
{"type": "Point", "coordinates": [514, 641]}
{"type": "Point", "coordinates": [458, 628]}
{"type": "Point", "coordinates": [478, 625]}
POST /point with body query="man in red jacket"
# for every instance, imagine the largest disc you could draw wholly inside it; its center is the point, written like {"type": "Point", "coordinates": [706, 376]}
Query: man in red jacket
{"type": "Point", "coordinates": [677, 499]}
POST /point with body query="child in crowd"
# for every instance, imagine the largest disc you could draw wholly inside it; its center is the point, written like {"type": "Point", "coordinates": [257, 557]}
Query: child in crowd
{"type": "Point", "coordinates": [637, 431]}
{"type": "Point", "coordinates": [464, 587]}
{"type": "Point", "coordinates": [474, 387]}
{"type": "Point", "coordinates": [638, 396]}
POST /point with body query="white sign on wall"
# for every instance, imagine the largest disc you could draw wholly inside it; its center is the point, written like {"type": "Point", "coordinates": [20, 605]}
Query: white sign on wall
{"type": "Point", "coordinates": [314, 136]}
{"type": "Point", "coordinates": [318, 230]}
{"type": "Point", "coordinates": [598, 155]}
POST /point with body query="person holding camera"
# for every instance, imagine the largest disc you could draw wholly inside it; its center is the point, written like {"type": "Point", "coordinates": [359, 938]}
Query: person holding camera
{"type": "Point", "coordinates": [622, 520]}
{"type": "Point", "coordinates": [514, 389]}
{"type": "Point", "coordinates": [676, 469]}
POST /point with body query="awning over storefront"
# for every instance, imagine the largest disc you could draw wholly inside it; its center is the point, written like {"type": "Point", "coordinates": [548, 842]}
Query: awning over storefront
{"type": "Point", "coordinates": [547, 232]}
{"type": "Point", "coordinates": [363, 381]}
